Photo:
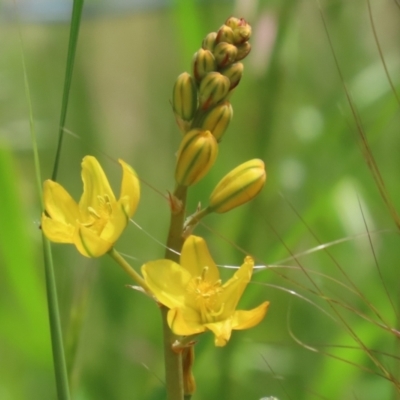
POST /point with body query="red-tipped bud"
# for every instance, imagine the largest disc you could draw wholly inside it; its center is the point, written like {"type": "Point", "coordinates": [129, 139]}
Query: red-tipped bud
{"type": "Point", "coordinates": [213, 89]}
{"type": "Point", "coordinates": [241, 34]}
{"type": "Point", "coordinates": [224, 34]}
{"type": "Point", "coordinates": [225, 54]}
{"type": "Point", "coordinates": [234, 72]}
{"type": "Point", "coordinates": [242, 51]}
{"type": "Point", "coordinates": [209, 41]}
{"type": "Point", "coordinates": [203, 63]}
{"type": "Point", "coordinates": [233, 22]}
{"type": "Point", "coordinates": [241, 29]}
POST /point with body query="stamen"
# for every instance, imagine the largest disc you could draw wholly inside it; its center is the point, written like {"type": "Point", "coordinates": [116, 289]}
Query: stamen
{"type": "Point", "coordinates": [93, 212]}
{"type": "Point", "coordinates": [204, 273]}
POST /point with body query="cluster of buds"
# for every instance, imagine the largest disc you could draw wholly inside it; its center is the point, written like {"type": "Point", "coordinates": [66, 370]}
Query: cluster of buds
{"type": "Point", "coordinates": [203, 112]}
{"type": "Point", "coordinates": [200, 100]}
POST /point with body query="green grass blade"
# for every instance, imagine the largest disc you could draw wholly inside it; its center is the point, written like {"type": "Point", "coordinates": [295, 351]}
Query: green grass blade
{"type": "Point", "coordinates": [54, 318]}
{"type": "Point", "coordinates": [73, 40]}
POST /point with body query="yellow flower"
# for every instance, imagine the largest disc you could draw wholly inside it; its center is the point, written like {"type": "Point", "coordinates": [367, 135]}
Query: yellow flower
{"type": "Point", "coordinates": [94, 224]}
{"type": "Point", "coordinates": [197, 299]}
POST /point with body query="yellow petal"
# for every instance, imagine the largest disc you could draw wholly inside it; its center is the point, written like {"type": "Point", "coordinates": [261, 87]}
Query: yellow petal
{"type": "Point", "coordinates": [130, 189]}
{"type": "Point", "coordinates": [115, 225]}
{"type": "Point", "coordinates": [56, 231]}
{"type": "Point", "coordinates": [184, 322]}
{"type": "Point", "coordinates": [59, 205]}
{"type": "Point", "coordinates": [89, 243]}
{"type": "Point", "coordinates": [233, 289]}
{"type": "Point", "coordinates": [248, 319]}
{"type": "Point", "coordinates": [195, 256]}
{"type": "Point", "coordinates": [222, 331]}
{"type": "Point", "coordinates": [95, 184]}
{"type": "Point", "coordinates": [168, 281]}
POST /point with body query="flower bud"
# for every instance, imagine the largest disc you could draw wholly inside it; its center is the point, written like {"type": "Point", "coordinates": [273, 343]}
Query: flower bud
{"type": "Point", "coordinates": [213, 88]}
{"type": "Point", "coordinates": [218, 119]}
{"type": "Point", "coordinates": [234, 72]}
{"type": "Point", "coordinates": [242, 50]}
{"type": "Point", "coordinates": [196, 155]}
{"type": "Point", "coordinates": [224, 34]}
{"type": "Point", "coordinates": [209, 41]}
{"type": "Point", "coordinates": [233, 22]}
{"type": "Point", "coordinates": [184, 97]}
{"type": "Point", "coordinates": [203, 63]}
{"type": "Point", "coordinates": [242, 33]}
{"type": "Point", "coordinates": [225, 54]}
{"type": "Point", "coordinates": [239, 186]}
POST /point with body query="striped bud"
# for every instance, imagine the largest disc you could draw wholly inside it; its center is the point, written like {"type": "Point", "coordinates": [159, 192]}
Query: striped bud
{"type": "Point", "coordinates": [225, 54]}
{"type": "Point", "coordinates": [234, 72]}
{"type": "Point", "coordinates": [203, 63]}
{"type": "Point", "coordinates": [209, 41]}
{"type": "Point", "coordinates": [184, 97]}
{"type": "Point", "coordinates": [213, 88]}
{"type": "Point", "coordinates": [224, 34]}
{"type": "Point", "coordinates": [239, 186]}
{"type": "Point", "coordinates": [233, 22]}
{"type": "Point", "coordinates": [242, 33]}
{"type": "Point", "coordinates": [196, 155]}
{"type": "Point", "coordinates": [217, 119]}
{"type": "Point", "coordinates": [242, 50]}
{"type": "Point", "coordinates": [241, 29]}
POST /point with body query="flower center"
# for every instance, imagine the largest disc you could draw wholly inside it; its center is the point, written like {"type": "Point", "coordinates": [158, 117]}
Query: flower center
{"type": "Point", "coordinates": [99, 215]}
{"type": "Point", "coordinates": [206, 294]}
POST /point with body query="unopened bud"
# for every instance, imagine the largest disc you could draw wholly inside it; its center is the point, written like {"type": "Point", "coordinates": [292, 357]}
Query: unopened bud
{"type": "Point", "coordinates": [225, 54]}
{"type": "Point", "coordinates": [241, 29]}
{"type": "Point", "coordinates": [224, 34]}
{"type": "Point", "coordinates": [233, 22]}
{"type": "Point", "coordinates": [209, 41]}
{"type": "Point", "coordinates": [196, 155]}
{"type": "Point", "coordinates": [242, 33]}
{"type": "Point", "coordinates": [234, 72]}
{"type": "Point", "coordinates": [239, 186]}
{"type": "Point", "coordinates": [242, 50]}
{"type": "Point", "coordinates": [203, 63]}
{"type": "Point", "coordinates": [213, 88]}
{"type": "Point", "coordinates": [217, 119]}
{"type": "Point", "coordinates": [184, 98]}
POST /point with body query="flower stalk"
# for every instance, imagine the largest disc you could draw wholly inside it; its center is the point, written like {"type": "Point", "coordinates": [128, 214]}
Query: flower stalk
{"type": "Point", "coordinates": [117, 257]}
{"type": "Point", "coordinates": [173, 359]}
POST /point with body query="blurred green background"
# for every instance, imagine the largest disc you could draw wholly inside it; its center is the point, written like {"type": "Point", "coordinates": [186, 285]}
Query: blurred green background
{"type": "Point", "coordinates": [290, 109]}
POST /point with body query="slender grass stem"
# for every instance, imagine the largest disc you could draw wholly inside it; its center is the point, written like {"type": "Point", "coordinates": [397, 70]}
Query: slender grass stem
{"type": "Point", "coordinates": [60, 369]}
{"type": "Point", "coordinates": [73, 40]}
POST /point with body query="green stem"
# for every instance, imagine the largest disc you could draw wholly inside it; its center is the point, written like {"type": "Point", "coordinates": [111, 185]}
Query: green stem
{"type": "Point", "coordinates": [173, 360]}
{"type": "Point", "coordinates": [175, 239]}
{"type": "Point", "coordinates": [128, 269]}
{"type": "Point", "coordinates": [73, 40]}
{"type": "Point", "coordinates": [60, 368]}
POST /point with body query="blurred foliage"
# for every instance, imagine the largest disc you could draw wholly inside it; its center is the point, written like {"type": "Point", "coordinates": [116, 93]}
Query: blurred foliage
{"type": "Point", "coordinates": [290, 110]}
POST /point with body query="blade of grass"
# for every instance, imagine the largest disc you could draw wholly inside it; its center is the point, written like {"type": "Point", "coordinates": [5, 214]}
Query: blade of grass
{"type": "Point", "coordinates": [52, 302]}
{"type": "Point", "coordinates": [73, 40]}
{"type": "Point", "coordinates": [53, 310]}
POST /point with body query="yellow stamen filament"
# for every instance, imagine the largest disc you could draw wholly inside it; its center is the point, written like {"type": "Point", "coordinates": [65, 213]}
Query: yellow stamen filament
{"type": "Point", "coordinates": [206, 294]}
{"type": "Point", "coordinates": [99, 215]}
